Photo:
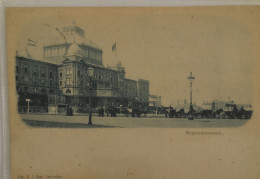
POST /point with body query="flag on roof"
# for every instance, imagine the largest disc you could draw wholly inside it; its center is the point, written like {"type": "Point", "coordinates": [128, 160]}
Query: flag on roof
{"type": "Point", "coordinates": [114, 47]}
{"type": "Point", "coordinates": [31, 42]}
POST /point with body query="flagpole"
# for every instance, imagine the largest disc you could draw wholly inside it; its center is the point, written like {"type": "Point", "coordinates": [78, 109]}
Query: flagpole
{"type": "Point", "coordinates": [115, 52]}
{"type": "Point", "coordinates": [30, 43]}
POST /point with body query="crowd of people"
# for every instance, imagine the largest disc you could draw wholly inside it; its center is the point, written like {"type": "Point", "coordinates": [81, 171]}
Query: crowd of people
{"type": "Point", "coordinates": [170, 112]}
{"type": "Point", "coordinates": [218, 114]}
{"type": "Point", "coordinates": [113, 111]}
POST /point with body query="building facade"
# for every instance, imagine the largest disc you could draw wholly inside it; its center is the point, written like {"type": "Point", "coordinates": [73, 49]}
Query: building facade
{"type": "Point", "coordinates": [61, 78]}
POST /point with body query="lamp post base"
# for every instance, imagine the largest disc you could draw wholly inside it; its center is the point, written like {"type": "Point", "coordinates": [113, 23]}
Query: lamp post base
{"type": "Point", "coordinates": [90, 119]}
{"type": "Point", "coordinates": [190, 116]}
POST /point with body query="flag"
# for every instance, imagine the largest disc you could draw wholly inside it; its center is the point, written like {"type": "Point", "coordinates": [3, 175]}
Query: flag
{"type": "Point", "coordinates": [61, 34]}
{"type": "Point", "coordinates": [114, 47]}
{"type": "Point", "coordinates": [31, 42]}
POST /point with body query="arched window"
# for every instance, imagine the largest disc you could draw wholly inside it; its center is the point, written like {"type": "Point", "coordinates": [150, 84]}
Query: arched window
{"type": "Point", "coordinates": [68, 91]}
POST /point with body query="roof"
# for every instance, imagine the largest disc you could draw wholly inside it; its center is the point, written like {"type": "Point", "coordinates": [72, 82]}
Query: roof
{"type": "Point", "coordinates": [74, 34]}
{"type": "Point", "coordinates": [37, 60]}
{"type": "Point", "coordinates": [74, 49]}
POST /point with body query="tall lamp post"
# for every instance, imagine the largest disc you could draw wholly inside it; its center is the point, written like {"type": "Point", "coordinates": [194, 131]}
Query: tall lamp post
{"type": "Point", "coordinates": [191, 78]}
{"type": "Point", "coordinates": [28, 106]}
{"type": "Point", "coordinates": [90, 74]}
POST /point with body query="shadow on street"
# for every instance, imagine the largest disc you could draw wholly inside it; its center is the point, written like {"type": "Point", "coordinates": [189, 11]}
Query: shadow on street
{"type": "Point", "coordinates": [47, 124]}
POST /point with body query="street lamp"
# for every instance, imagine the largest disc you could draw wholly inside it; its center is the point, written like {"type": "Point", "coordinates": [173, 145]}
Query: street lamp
{"type": "Point", "coordinates": [90, 74]}
{"type": "Point", "coordinates": [191, 78]}
{"type": "Point", "coordinates": [28, 101]}
{"type": "Point", "coordinates": [28, 104]}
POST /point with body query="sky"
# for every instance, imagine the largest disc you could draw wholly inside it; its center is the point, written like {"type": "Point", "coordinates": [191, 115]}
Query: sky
{"type": "Point", "coordinates": [162, 45]}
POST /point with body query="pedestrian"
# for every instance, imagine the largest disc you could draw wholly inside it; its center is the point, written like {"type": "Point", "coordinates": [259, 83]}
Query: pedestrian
{"type": "Point", "coordinates": [107, 111]}
{"type": "Point", "coordinates": [166, 113]}
{"type": "Point", "coordinates": [102, 111]}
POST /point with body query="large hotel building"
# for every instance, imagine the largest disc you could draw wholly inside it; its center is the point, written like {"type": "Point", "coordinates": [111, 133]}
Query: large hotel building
{"type": "Point", "coordinates": [61, 78]}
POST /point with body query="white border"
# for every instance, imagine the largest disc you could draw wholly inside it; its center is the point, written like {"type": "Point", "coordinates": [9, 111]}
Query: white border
{"type": "Point", "coordinates": [118, 3]}
{"type": "Point", "coordinates": [4, 122]}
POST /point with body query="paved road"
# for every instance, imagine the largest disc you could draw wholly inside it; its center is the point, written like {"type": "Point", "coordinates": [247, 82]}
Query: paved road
{"type": "Point", "coordinates": [57, 121]}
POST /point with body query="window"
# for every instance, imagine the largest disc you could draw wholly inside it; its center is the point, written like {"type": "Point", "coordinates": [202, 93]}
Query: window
{"type": "Point", "coordinates": [26, 89]}
{"type": "Point", "coordinates": [50, 100]}
{"type": "Point", "coordinates": [60, 74]}
{"type": "Point", "coordinates": [100, 84]}
{"type": "Point", "coordinates": [68, 82]}
{"type": "Point", "coordinates": [16, 78]}
{"type": "Point", "coordinates": [78, 72]}
{"type": "Point", "coordinates": [50, 82]}
{"type": "Point", "coordinates": [43, 81]}
{"type": "Point", "coordinates": [107, 84]}
{"type": "Point", "coordinates": [34, 80]}
{"type": "Point", "coordinates": [25, 69]}
{"type": "Point", "coordinates": [68, 71]}
{"type": "Point", "coordinates": [34, 70]}
{"type": "Point", "coordinates": [26, 79]}
{"type": "Point", "coordinates": [60, 83]}
{"type": "Point", "coordinates": [68, 91]}
{"type": "Point", "coordinates": [17, 69]}
{"type": "Point", "coordinates": [51, 74]}
{"type": "Point", "coordinates": [42, 73]}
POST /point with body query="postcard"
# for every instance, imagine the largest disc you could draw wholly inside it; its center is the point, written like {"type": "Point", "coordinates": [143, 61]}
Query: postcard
{"type": "Point", "coordinates": [133, 92]}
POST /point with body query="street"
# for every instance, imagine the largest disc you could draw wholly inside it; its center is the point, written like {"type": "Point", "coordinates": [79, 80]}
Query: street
{"type": "Point", "coordinates": [153, 121]}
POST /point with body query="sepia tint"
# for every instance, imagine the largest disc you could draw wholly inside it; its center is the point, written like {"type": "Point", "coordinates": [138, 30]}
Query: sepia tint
{"type": "Point", "coordinates": [133, 92]}
{"type": "Point", "coordinates": [161, 70]}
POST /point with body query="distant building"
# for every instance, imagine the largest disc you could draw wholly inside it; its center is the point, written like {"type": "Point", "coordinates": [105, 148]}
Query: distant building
{"type": "Point", "coordinates": [247, 107]}
{"type": "Point", "coordinates": [206, 106]}
{"type": "Point", "coordinates": [143, 91]}
{"type": "Point", "coordinates": [155, 101]}
{"type": "Point", "coordinates": [61, 78]}
{"type": "Point", "coordinates": [218, 104]}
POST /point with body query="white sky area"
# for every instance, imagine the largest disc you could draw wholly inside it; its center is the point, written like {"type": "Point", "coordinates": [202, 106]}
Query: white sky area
{"type": "Point", "coordinates": [162, 47]}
